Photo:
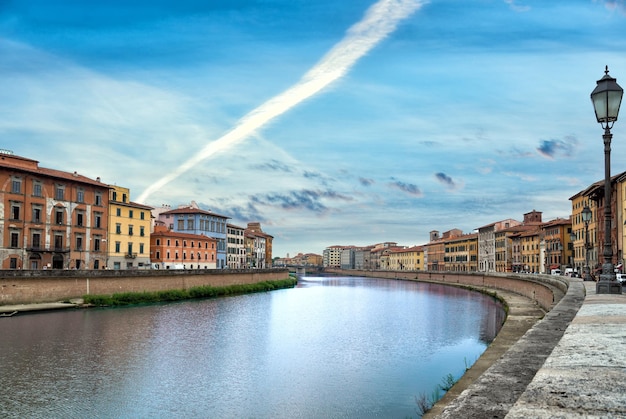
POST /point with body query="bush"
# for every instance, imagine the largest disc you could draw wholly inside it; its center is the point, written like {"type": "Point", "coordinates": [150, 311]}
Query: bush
{"type": "Point", "coordinates": [205, 291]}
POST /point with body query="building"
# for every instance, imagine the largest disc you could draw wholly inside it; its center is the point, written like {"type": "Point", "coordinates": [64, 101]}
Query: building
{"type": "Point", "coordinates": [406, 259]}
{"type": "Point", "coordinates": [236, 248]}
{"type": "Point", "coordinates": [128, 245]}
{"type": "Point", "coordinates": [255, 228]}
{"type": "Point", "coordinates": [487, 243]}
{"type": "Point", "coordinates": [190, 219]}
{"type": "Point", "coordinates": [332, 256]}
{"type": "Point", "coordinates": [174, 250]}
{"type": "Point", "coordinates": [50, 219]}
{"type": "Point", "coordinates": [461, 253]}
{"type": "Point", "coordinates": [557, 244]}
{"type": "Point", "coordinates": [255, 250]}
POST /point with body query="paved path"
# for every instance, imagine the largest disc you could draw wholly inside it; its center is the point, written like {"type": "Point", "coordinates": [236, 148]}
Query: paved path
{"type": "Point", "coordinates": [585, 375]}
{"type": "Point", "coordinates": [571, 364]}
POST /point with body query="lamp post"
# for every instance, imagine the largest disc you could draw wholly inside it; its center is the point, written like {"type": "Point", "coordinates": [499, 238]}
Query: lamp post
{"type": "Point", "coordinates": [606, 98]}
{"type": "Point", "coordinates": [572, 239]}
{"type": "Point", "coordinates": [586, 215]}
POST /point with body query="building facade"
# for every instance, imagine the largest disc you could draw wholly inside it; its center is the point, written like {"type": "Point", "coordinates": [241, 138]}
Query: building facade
{"type": "Point", "coordinates": [236, 248]}
{"type": "Point", "coordinates": [174, 250]}
{"type": "Point", "coordinates": [50, 219]}
{"type": "Point", "coordinates": [190, 219]}
{"type": "Point", "coordinates": [128, 246]}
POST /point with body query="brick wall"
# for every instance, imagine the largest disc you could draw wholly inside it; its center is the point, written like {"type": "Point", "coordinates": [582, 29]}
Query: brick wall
{"type": "Point", "coordinates": [22, 287]}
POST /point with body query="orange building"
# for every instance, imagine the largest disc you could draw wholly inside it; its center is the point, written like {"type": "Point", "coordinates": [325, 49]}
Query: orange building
{"type": "Point", "coordinates": [50, 219]}
{"type": "Point", "coordinates": [173, 250]}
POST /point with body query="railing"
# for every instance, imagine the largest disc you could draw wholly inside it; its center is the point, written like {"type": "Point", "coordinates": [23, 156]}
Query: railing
{"type": "Point", "coordinates": [130, 255]}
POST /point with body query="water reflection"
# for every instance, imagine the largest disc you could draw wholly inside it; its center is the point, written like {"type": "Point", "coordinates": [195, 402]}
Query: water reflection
{"type": "Point", "coordinates": [332, 347]}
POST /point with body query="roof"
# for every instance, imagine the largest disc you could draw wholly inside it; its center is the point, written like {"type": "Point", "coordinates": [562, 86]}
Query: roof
{"type": "Point", "coordinates": [193, 211]}
{"type": "Point", "coordinates": [23, 164]}
{"type": "Point", "coordinates": [174, 234]}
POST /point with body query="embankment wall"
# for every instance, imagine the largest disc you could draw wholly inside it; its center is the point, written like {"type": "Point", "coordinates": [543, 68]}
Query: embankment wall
{"type": "Point", "coordinates": [546, 290]}
{"type": "Point", "coordinates": [24, 287]}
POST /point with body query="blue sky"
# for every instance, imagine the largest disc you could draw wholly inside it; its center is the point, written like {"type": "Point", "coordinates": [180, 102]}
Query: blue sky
{"type": "Point", "coordinates": [330, 122]}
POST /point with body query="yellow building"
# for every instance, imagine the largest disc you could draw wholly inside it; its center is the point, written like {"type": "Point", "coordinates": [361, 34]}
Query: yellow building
{"type": "Point", "coordinates": [585, 245]}
{"type": "Point", "coordinates": [129, 231]}
{"type": "Point", "coordinates": [530, 251]}
{"type": "Point", "coordinates": [461, 253]}
{"type": "Point", "coordinates": [406, 259]}
{"type": "Point", "coordinates": [557, 244]}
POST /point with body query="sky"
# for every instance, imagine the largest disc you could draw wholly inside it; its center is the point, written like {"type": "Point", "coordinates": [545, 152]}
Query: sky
{"type": "Point", "coordinates": [329, 122]}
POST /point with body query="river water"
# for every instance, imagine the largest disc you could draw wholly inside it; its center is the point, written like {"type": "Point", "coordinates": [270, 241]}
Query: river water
{"type": "Point", "coordinates": [330, 348]}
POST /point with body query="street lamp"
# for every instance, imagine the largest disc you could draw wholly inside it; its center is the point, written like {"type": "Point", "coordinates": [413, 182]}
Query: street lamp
{"type": "Point", "coordinates": [586, 215]}
{"type": "Point", "coordinates": [572, 239]}
{"type": "Point", "coordinates": [606, 98]}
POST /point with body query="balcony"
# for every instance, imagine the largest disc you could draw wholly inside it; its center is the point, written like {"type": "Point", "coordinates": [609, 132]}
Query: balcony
{"type": "Point", "coordinates": [130, 255]}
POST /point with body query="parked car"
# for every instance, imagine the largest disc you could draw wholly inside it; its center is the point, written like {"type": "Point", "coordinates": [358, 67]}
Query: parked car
{"type": "Point", "coordinates": [621, 278]}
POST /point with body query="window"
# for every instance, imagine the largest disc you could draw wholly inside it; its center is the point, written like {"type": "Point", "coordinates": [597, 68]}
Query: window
{"type": "Point", "coordinates": [181, 225]}
{"type": "Point", "coordinates": [36, 214]}
{"type": "Point", "coordinates": [118, 228]}
{"type": "Point", "coordinates": [36, 240]}
{"type": "Point", "coordinates": [59, 216]}
{"type": "Point", "coordinates": [13, 263]}
{"type": "Point", "coordinates": [142, 231]}
{"type": "Point", "coordinates": [58, 242]}
{"type": "Point", "coordinates": [118, 246]}
{"type": "Point", "coordinates": [98, 198]}
{"type": "Point", "coordinates": [118, 212]}
{"type": "Point", "coordinates": [37, 189]}
{"type": "Point", "coordinates": [158, 242]}
{"type": "Point", "coordinates": [15, 239]}
{"type": "Point", "coordinates": [130, 230]}
{"type": "Point", "coordinates": [130, 248]}
{"type": "Point", "coordinates": [79, 219]}
{"type": "Point", "coordinates": [15, 211]}
{"type": "Point", "coordinates": [189, 224]}
{"type": "Point", "coordinates": [59, 193]}
{"type": "Point", "coordinates": [98, 217]}
{"type": "Point", "coordinates": [123, 197]}
{"type": "Point", "coordinates": [130, 213]}
{"type": "Point", "coordinates": [79, 243]}
{"type": "Point", "coordinates": [96, 244]}
{"type": "Point", "coordinates": [158, 254]}
{"type": "Point", "coordinates": [114, 196]}
{"type": "Point", "coordinates": [142, 215]}
{"type": "Point", "coordinates": [141, 248]}
{"type": "Point", "coordinates": [80, 195]}
{"type": "Point", "coordinates": [16, 186]}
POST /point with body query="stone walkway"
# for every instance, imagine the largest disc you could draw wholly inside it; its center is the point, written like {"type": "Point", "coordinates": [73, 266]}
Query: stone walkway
{"type": "Point", "coordinates": [571, 364]}
{"type": "Point", "coordinates": [585, 375]}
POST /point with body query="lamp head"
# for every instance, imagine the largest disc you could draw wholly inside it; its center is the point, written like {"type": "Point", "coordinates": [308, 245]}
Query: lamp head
{"type": "Point", "coordinates": [606, 99]}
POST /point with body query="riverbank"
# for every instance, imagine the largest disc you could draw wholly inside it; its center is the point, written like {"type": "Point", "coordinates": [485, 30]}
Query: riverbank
{"type": "Point", "coordinates": [128, 298]}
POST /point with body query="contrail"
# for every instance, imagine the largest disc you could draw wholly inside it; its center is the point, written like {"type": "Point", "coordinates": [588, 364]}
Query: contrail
{"type": "Point", "coordinates": [379, 21]}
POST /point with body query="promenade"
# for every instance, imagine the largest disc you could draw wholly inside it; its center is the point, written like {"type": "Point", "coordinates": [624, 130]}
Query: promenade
{"type": "Point", "coordinates": [571, 364]}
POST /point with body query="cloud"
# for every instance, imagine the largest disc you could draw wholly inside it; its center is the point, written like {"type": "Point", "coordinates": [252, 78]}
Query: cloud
{"type": "Point", "coordinates": [614, 5]}
{"type": "Point", "coordinates": [275, 166]}
{"type": "Point", "coordinates": [445, 179]}
{"type": "Point", "coordinates": [408, 188]}
{"type": "Point", "coordinates": [366, 182]}
{"type": "Point", "coordinates": [516, 7]}
{"type": "Point", "coordinates": [551, 148]}
{"type": "Point", "coordinates": [379, 21]}
{"type": "Point", "coordinates": [307, 199]}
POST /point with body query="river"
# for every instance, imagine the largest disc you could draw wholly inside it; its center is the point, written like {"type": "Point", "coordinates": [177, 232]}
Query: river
{"type": "Point", "coordinates": [333, 347]}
